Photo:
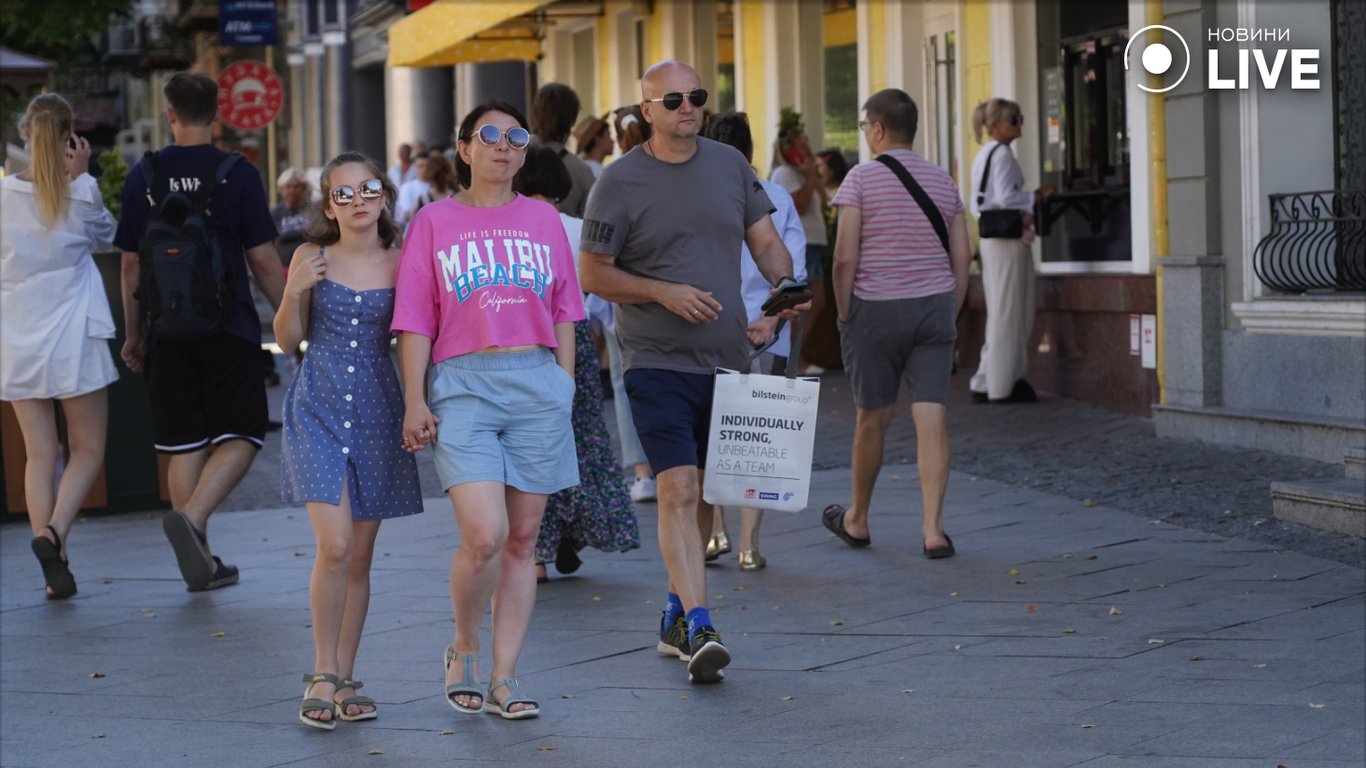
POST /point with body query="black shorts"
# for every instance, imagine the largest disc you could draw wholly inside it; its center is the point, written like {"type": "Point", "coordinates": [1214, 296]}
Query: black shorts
{"type": "Point", "coordinates": [672, 412]}
{"type": "Point", "coordinates": [205, 391]}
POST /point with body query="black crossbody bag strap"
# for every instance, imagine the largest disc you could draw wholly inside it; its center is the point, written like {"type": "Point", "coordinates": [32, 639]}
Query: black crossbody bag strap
{"type": "Point", "coordinates": [986, 174]}
{"type": "Point", "coordinates": [926, 204]}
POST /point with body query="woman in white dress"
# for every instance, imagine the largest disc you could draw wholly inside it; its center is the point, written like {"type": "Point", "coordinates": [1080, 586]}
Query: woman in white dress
{"type": "Point", "coordinates": [53, 346]}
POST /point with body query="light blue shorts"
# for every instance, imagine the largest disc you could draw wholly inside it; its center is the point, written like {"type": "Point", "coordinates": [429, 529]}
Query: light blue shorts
{"type": "Point", "coordinates": [505, 417]}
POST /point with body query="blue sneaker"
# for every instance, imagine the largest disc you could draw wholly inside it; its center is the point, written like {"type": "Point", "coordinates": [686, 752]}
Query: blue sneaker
{"type": "Point", "coordinates": [707, 656]}
{"type": "Point", "coordinates": [673, 639]}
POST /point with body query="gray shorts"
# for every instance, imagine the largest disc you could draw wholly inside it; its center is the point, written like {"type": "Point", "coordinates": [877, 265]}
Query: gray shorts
{"type": "Point", "coordinates": [505, 417]}
{"type": "Point", "coordinates": [886, 341]}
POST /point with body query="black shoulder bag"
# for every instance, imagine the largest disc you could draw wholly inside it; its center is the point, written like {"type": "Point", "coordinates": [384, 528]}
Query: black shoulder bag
{"type": "Point", "coordinates": [926, 204]}
{"type": "Point", "coordinates": [1006, 223]}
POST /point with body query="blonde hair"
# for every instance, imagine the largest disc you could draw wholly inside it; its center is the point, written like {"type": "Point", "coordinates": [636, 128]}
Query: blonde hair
{"type": "Point", "coordinates": [46, 125]}
{"type": "Point", "coordinates": [990, 112]}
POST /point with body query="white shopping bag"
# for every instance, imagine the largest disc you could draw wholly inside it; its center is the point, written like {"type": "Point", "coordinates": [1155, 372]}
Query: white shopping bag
{"type": "Point", "coordinates": [763, 430]}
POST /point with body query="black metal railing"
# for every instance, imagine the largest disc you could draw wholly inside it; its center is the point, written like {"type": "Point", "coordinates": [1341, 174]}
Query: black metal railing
{"type": "Point", "coordinates": [1317, 242]}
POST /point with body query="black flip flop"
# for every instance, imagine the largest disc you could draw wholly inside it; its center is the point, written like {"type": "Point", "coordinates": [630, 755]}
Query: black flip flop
{"type": "Point", "coordinates": [939, 553]}
{"type": "Point", "coordinates": [832, 517]}
{"type": "Point", "coordinates": [191, 551]}
{"type": "Point", "coordinates": [55, 570]}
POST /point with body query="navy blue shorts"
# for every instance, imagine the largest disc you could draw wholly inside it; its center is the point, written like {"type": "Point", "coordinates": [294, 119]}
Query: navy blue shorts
{"type": "Point", "coordinates": [672, 412]}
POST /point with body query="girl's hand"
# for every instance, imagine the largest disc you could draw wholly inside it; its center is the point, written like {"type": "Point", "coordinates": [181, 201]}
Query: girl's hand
{"type": "Point", "coordinates": [419, 427]}
{"type": "Point", "coordinates": [304, 273]}
{"type": "Point", "coordinates": [77, 156]}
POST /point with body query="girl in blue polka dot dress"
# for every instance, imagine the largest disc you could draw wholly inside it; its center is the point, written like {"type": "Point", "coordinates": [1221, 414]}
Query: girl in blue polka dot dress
{"type": "Point", "coordinates": [343, 451]}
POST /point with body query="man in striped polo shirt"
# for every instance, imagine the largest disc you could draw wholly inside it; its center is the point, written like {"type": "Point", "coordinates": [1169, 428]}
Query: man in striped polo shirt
{"type": "Point", "coordinates": [900, 277]}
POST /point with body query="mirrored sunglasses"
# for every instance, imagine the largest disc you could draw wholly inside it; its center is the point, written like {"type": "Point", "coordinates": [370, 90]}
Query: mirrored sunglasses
{"type": "Point", "coordinates": [342, 196]}
{"type": "Point", "coordinates": [674, 99]}
{"type": "Point", "coordinates": [517, 136]}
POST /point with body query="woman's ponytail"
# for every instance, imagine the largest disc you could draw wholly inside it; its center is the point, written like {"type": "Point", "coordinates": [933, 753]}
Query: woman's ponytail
{"type": "Point", "coordinates": [47, 126]}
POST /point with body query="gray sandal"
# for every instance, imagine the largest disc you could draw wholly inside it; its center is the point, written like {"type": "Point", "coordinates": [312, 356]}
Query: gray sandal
{"type": "Point", "coordinates": [355, 701]}
{"type": "Point", "coordinates": [514, 698]}
{"type": "Point", "coordinates": [313, 705]}
{"type": "Point", "coordinates": [467, 686]}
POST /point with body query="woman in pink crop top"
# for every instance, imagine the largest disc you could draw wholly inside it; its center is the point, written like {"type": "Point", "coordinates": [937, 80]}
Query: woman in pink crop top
{"type": "Point", "coordinates": [488, 296]}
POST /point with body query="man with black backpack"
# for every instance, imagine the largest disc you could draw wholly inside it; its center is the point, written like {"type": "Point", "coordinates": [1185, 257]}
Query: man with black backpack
{"type": "Point", "coordinates": [194, 219]}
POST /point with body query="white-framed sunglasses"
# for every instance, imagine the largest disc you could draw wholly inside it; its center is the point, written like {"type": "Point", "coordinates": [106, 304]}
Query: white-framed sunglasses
{"type": "Point", "coordinates": [517, 136]}
{"type": "Point", "coordinates": [343, 195]}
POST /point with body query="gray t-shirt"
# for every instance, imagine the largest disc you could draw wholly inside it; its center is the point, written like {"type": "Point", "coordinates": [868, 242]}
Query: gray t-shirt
{"type": "Point", "coordinates": [681, 223]}
{"type": "Point", "coordinates": [580, 174]}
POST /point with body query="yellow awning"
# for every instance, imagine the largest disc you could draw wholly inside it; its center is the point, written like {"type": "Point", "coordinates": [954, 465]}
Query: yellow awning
{"type": "Point", "coordinates": [460, 32]}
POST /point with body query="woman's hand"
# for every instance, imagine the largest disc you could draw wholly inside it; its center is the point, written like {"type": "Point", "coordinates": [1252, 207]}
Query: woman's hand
{"type": "Point", "coordinates": [77, 156]}
{"type": "Point", "coordinates": [305, 272]}
{"type": "Point", "coordinates": [419, 427]}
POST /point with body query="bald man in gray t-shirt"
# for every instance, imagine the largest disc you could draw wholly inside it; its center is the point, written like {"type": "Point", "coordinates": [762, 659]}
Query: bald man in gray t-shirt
{"type": "Point", "coordinates": [661, 239]}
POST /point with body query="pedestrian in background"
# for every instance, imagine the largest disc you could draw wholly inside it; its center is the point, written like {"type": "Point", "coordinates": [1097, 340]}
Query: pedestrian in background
{"type": "Point", "coordinates": [554, 110]}
{"type": "Point", "coordinates": [410, 191]}
{"type": "Point", "coordinates": [402, 170]}
{"type": "Point", "coordinates": [207, 395]}
{"type": "Point", "coordinates": [291, 213]}
{"type": "Point", "coordinates": [54, 348]}
{"type": "Point", "coordinates": [661, 239]}
{"type": "Point", "coordinates": [732, 128]}
{"type": "Point", "coordinates": [487, 293]}
{"type": "Point", "coordinates": [632, 130]}
{"type": "Point", "coordinates": [794, 168]}
{"type": "Point", "coordinates": [1007, 263]}
{"type": "Point", "coordinates": [342, 455]}
{"type": "Point", "coordinates": [440, 178]}
{"type": "Point", "coordinates": [597, 512]}
{"type": "Point", "coordinates": [593, 136]}
{"type": "Point", "coordinates": [900, 277]}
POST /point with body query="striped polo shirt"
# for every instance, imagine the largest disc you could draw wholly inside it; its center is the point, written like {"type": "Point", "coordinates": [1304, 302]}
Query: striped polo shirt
{"type": "Point", "coordinates": [900, 256]}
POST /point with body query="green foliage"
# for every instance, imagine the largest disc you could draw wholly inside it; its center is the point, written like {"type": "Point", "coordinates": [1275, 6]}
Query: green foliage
{"type": "Point", "coordinates": [58, 30]}
{"type": "Point", "coordinates": [790, 119]}
{"type": "Point", "coordinates": [111, 183]}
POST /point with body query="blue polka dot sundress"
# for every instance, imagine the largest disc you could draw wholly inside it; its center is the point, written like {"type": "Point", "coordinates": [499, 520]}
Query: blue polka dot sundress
{"type": "Point", "coordinates": [343, 413]}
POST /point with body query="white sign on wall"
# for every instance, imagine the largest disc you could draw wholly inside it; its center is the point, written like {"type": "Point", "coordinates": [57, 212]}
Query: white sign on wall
{"type": "Point", "coordinates": [1148, 341]}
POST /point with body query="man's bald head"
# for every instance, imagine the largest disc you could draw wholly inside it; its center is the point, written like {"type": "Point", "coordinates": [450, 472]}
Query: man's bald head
{"type": "Point", "coordinates": [668, 75]}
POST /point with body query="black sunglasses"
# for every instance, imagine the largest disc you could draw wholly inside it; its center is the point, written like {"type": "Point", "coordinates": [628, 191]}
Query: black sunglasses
{"type": "Point", "coordinates": [674, 99]}
{"type": "Point", "coordinates": [1017, 120]}
{"type": "Point", "coordinates": [343, 196]}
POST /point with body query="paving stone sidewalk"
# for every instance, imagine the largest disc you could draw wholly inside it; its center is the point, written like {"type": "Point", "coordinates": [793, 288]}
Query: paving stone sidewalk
{"type": "Point", "coordinates": [1062, 635]}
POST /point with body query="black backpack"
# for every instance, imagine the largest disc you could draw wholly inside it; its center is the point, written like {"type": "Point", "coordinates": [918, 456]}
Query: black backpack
{"type": "Point", "coordinates": [183, 283]}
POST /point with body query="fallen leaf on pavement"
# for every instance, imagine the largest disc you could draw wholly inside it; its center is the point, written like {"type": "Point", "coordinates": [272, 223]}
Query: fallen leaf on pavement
{"type": "Point", "coordinates": [219, 633]}
{"type": "Point", "coordinates": [836, 623]}
{"type": "Point", "coordinates": [96, 675]}
{"type": "Point", "coordinates": [597, 599]}
{"type": "Point", "coordinates": [1090, 557]}
{"type": "Point", "coordinates": [448, 732]}
{"type": "Point", "coordinates": [1196, 658]}
{"type": "Point", "coordinates": [375, 752]}
{"type": "Point", "coordinates": [1259, 666]}
{"type": "Point", "coordinates": [741, 588]}
{"type": "Point", "coordinates": [545, 748]}
{"type": "Point", "coordinates": [1087, 725]}
{"type": "Point", "coordinates": [566, 695]}
{"type": "Point", "coordinates": [1114, 611]}
{"type": "Point", "coordinates": [908, 690]}
{"type": "Point", "coordinates": [1069, 631]}
{"type": "Point", "coordinates": [953, 594]}
{"type": "Point", "coordinates": [1029, 608]}
{"type": "Point", "coordinates": [1014, 571]}
{"type": "Point", "coordinates": [1088, 502]}
{"type": "Point", "coordinates": [896, 477]}
{"type": "Point", "coordinates": [1155, 641]}
{"type": "Point", "coordinates": [787, 698]}
{"type": "Point", "coordinates": [957, 647]}
{"type": "Point", "coordinates": [683, 697]}
{"type": "Point", "coordinates": [97, 735]}
{"type": "Point", "coordinates": [1315, 706]}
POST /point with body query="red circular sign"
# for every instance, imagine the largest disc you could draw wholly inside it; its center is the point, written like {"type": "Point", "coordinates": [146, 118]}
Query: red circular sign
{"type": "Point", "coordinates": [249, 95]}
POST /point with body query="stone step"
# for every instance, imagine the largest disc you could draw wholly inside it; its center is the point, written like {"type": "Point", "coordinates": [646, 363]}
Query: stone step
{"type": "Point", "coordinates": [1331, 505]}
{"type": "Point", "coordinates": [1355, 460]}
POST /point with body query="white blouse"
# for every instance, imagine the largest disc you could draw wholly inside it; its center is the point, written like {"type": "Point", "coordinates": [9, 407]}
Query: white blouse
{"type": "Point", "coordinates": [52, 300]}
{"type": "Point", "coordinates": [1005, 188]}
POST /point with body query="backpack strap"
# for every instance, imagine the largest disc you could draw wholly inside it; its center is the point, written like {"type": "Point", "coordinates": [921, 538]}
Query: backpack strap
{"type": "Point", "coordinates": [151, 175]}
{"type": "Point", "coordinates": [219, 175]}
{"type": "Point", "coordinates": [986, 174]}
{"type": "Point", "coordinates": [926, 204]}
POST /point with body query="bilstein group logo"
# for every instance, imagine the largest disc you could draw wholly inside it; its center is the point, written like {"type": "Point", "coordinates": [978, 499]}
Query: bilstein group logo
{"type": "Point", "coordinates": [1157, 59]}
